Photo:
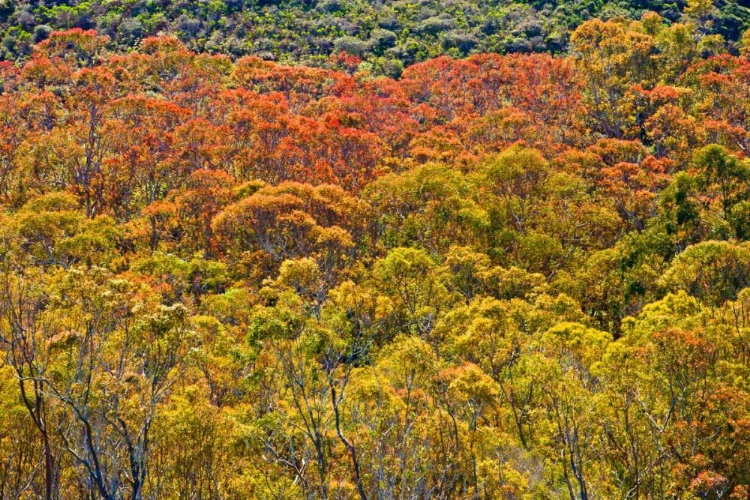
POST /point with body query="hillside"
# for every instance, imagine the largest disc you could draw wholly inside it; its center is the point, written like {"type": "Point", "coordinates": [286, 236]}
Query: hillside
{"type": "Point", "coordinates": [502, 276]}
{"type": "Point", "coordinates": [387, 35]}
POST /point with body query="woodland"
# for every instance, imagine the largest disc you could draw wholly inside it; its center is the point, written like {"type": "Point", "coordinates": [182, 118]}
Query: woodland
{"type": "Point", "coordinates": [387, 35]}
{"type": "Point", "coordinates": [498, 276]}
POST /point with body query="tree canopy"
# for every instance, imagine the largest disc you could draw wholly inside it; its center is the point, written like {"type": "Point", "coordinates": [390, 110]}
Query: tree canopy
{"type": "Point", "coordinates": [498, 276]}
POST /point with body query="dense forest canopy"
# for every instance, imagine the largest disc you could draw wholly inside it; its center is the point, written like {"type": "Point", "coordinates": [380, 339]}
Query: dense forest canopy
{"type": "Point", "coordinates": [503, 276]}
{"type": "Point", "coordinates": [387, 35]}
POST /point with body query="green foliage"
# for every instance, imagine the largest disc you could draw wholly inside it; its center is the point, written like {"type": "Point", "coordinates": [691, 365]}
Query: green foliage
{"type": "Point", "coordinates": [310, 31]}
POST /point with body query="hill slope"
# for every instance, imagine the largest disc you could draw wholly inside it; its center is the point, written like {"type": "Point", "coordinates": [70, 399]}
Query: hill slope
{"type": "Point", "coordinates": [388, 34]}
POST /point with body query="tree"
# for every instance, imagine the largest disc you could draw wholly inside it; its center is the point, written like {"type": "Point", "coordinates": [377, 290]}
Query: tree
{"type": "Point", "coordinates": [416, 287]}
{"type": "Point", "coordinates": [721, 179]}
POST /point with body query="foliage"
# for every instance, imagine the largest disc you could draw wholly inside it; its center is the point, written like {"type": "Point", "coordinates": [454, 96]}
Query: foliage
{"type": "Point", "coordinates": [387, 36]}
{"type": "Point", "coordinates": [502, 276]}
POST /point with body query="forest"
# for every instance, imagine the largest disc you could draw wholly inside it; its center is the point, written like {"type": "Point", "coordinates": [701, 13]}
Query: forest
{"type": "Point", "coordinates": [387, 35]}
{"type": "Point", "coordinates": [498, 276]}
